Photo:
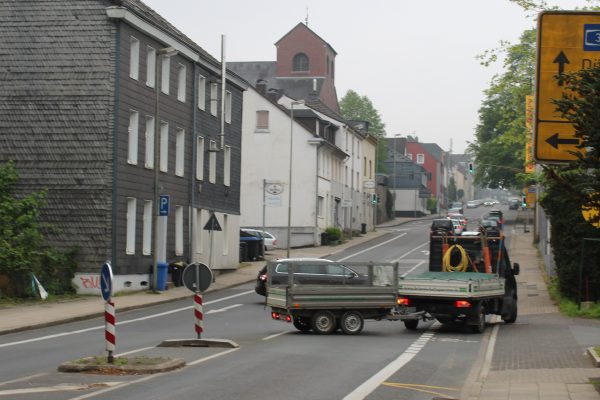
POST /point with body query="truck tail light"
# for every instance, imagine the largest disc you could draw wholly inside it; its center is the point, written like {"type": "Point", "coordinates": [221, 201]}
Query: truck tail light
{"type": "Point", "coordinates": [403, 301]}
{"type": "Point", "coordinates": [462, 304]}
{"type": "Point", "coordinates": [275, 315]}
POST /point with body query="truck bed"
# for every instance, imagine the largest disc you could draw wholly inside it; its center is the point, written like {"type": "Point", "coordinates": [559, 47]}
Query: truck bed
{"type": "Point", "coordinates": [452, 284]}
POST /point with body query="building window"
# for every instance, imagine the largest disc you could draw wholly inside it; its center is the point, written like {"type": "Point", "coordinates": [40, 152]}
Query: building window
{"type": "Point", "coordinates": [181, 73]}
{"type": "Point", "coordinates": [149, 156]}
{"type": "Point", "coordinates": [365, 166]}
{"type": "Point", "coordinates": [132, 151]}
{"type": "Point", "coordinates": [178, 230]}
{"type": "Point", "coordinates": [212, 163]}
{"type": "Point", "coordinates": [179, 152]}
{"type": "Point", "coordinates": [420, 158]}
{"type": "Point", "coordinates": [262, 120]}
{"type": "Point", "coordinates": [327, 65]}
{"type": "Point", "coordinates": [300, 62]}
{"type": "Point", "coordinates": [200, 158]}
{"type": "Point", "coordinates": [228, 107]}
{"type": "Point", "coordinates": [134, 58]}
{"type": "Point", "coordinates": [409, 155]}
{"type": "Point", "coordinates": [214, 98]}
{"type": "Point", "coordinates": [320, 206]}
{"type": "Point", "coordinates": [130, 240]}
{"type": "Point", "coordinates": [164, 146]}
{"type": "Point", "coordinates": [165, 73]}
{"type": "Point", "coordinates": [370, 169]}
{"type": "Point", "coordinates": [150, 66]}
{"type": "Point", "coordinates": [227, 166]}
{"type": "Point", "coordinates": [147, 233]}
{"type": "Point", "coordinates": [201, 92]}
{"type": "Point", "coordinates": [225, 235]}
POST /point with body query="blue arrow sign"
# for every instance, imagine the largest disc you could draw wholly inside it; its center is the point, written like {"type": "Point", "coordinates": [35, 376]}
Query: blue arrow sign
{"type": "Point", "coordinates": [106, 277]}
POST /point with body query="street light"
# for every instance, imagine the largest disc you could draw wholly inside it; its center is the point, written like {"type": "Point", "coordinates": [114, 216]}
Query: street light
{"type": "Point", "coordinates": [160, 54]}
{"type": "Point", "coordinates": [394, 186]}
{"type": "Point", "coordinates": [289, 222]}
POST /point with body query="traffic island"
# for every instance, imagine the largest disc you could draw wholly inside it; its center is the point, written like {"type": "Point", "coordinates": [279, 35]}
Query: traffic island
{"type": "Point", "coordinates": [223, 343]}
{"type": "Point", "coordinates": [122, 365]}
{"type": "Point", "coordinates": [594, 353]}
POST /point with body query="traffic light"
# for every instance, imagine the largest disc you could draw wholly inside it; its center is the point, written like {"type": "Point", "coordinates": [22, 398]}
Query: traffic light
{"type": "Point", "coordinates": [374, 199]}
{"type": "Point", "coordinates": [471, 167]}
{"type": "Point", "coordinates": [524, 201]}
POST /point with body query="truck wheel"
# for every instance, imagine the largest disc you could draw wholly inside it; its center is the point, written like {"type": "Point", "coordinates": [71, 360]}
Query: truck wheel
{"type": "Point", "coordinates": [411, 324]}
{"type": "Point", "coordinates": [302, 324]}
{"type": "Point", "coordinates": [323, 322]}
{"type": "Point", "coordinates": [479, 327]}
{"type": "Point", "coordinates": [352, 323]}
{"type": "Point", "coordinates": [512, 315]}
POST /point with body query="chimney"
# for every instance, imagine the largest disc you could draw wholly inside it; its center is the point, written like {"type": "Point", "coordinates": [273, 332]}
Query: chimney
{"type": "Point", "coordinates": [261, 86]}
{"type": "Point", "coordinates": [273, 94]}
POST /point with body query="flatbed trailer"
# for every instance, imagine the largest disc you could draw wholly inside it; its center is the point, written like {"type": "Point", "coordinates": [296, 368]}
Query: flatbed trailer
{"type": "Point", "coordinates": [483, 284]}
{"type": "Point", "coordinates": [325, 307]}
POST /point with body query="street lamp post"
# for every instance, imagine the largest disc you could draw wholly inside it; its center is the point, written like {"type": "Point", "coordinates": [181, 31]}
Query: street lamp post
{"type": "Point", "coordinates": [164, 52]}
{"type": "Point", "coordinates": [289, 221]}
{"type": "Point", "coordinates": [395, 172]}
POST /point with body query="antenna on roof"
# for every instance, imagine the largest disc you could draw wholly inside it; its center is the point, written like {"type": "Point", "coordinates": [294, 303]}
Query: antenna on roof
{"type": "Point", "coordinates": [306, 20]}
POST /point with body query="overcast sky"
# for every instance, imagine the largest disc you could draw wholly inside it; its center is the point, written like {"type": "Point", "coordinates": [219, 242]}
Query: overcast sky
{"type": "Point", "coordinates": [414, 59]}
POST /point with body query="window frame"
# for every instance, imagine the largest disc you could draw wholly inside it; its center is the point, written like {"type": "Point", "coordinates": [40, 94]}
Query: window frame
{"type": "Point", "coordinates": [200, 158]}
{"type": "Point", "coordinates": [149, 138]}
{"type": "Point", "coordinates": [130, 229]}
{"type": "Point", "coordinates": [164, 147]}
{"type": "Point", "coordinates": [133, 137]}
{"type": "Point", "coordinates": [150, 66]}
{"type": "Point", "coordinates": [134, 58]}
{"type": "Point", "coordinates": [181, 82]}
{"type": "Point", "coordinates": [180, 152]}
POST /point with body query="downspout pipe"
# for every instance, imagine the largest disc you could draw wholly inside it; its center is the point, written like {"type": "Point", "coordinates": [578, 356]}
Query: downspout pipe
{"type": "Point", "coordinates": [223, 87]}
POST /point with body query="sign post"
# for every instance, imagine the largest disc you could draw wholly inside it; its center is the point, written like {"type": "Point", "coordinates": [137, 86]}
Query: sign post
{"type": "Point", "coordinates": [568, 41]}
{"type": "Point", "coordinates": [106, 278]}
{"type": "Point", "coordinates": [197, 277]}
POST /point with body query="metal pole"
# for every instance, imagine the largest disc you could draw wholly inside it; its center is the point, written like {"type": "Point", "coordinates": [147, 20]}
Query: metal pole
{"type": "Point", "coordinates": [289, 221]}
{"type": "Point", "coordinates": [156, 167]}
{"type": "Point", "coordinates": [264, 208]}
{"type": "Point", "coordinates": [394, 182]}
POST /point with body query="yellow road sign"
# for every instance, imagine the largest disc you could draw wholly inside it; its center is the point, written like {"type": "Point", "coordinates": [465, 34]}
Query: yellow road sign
{"type": "Point", "coordinates": [590, 214]}
{"type": "Point", "coordinates": [567, 42]}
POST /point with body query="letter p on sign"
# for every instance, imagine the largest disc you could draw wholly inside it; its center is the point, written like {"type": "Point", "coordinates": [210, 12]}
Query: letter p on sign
{"type": "Point", "coordinates": [163, 205]}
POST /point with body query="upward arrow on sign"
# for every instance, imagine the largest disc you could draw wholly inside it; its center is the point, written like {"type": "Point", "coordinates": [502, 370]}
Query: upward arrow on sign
{"type": "Point", "coordinates": [561, 59]}
{"type": "Point", "coordinates": [212, 224]}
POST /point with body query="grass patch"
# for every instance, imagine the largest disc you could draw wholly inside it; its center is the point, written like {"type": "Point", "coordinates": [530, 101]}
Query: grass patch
{"type": "Point", "coordinates": [568, 307]}
{"type": "Point", "coordinates": [121, 361]}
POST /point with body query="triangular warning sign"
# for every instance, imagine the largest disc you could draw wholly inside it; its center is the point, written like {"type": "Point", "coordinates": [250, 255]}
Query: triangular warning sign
{"type": "Point", "coordinates": [212, 224]}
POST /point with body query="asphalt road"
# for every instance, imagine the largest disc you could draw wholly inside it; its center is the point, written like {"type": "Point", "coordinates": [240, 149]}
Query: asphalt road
{"type": "Point", "coordinates": [273, 362]}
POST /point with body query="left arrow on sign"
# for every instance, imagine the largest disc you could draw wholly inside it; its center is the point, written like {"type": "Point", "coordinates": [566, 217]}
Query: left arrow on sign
{"type": "Point", "coordinates": [555, 141]}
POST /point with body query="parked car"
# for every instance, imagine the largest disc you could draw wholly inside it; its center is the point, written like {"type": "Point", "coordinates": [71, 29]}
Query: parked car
{"type": "Point", "coordinates": [472, 204]}
{"type": "Point", "coordinates": [311, 271]}
{"type": "Point", "coordinates": [269, 240]}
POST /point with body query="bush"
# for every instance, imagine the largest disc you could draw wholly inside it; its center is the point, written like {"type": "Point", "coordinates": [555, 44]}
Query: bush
{"type": "Point", "coordinates": [334, 233]}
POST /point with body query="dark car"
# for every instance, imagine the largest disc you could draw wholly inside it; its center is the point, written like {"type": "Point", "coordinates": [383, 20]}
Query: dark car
{"type": "Point", "coordinates": [315, 271]}
{"type": "Point", "coordinates": [490, 226]}
{"type": "Point", "coordinates": [513, 204]}
{"type": "Point", "coordinates": [496, 213]}
{"type": "Point", "coordinates": [442, 226]}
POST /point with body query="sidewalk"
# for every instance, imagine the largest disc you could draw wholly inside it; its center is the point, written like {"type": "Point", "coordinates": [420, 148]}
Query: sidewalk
{"type": "Point", "coordinates": [541, 356]}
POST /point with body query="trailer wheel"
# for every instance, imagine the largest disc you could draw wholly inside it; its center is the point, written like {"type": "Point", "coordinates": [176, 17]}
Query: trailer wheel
{"type": "Point", "coordinates": [411, 324]}
{"type": "Point", "coordinates": [479, 327]}
{"type": "Point", "coordinates": [302, 324]}
{"type": "Point", "coordinates": [352, 323]}
{"type": "Point", "coordinates": [323, 322]}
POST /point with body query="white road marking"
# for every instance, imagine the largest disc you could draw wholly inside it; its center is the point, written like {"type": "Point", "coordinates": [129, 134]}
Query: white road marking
{"type": "Point", "coordinates": [134, 351]}
{"type": "Point", "coordinates": [487, 361]}
{"type": "Point", "coordinates": [275, 335]}
{"type": "Point", "coordinates": [410, 251]}
{"type": "Point", "coordinates": [24, 378]}
{"type": "Point", "coordinates": [413, 268]}
{"type": "Point", "coordinates": [121, 322]}
{"type": "Point", "coordinates": [223, 309]}
{"type": "Point", "coordinates": [57, 388]}
{"type": "Point", "coordinates": [372, 383]}
{"type": "Point", "coordinates": [372, 247]}
{"type": "Point", "coordinates": [201, 360]}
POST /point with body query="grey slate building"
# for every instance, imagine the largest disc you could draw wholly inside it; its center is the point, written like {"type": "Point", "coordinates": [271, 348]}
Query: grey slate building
{"type": "Point", "coordinates": [78, 116]}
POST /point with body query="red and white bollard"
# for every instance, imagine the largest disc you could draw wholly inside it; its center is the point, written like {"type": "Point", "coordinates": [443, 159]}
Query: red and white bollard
{"type": "Point", "coordinates": [109, 331]}
{"type": "Point", "coordinates": [199, 317]}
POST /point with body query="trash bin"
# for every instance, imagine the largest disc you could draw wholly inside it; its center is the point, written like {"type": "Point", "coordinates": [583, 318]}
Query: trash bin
{"type": "Point", "coordinates": [177, 272]}
{"type": "Point", "coordinates": [325, 239]}
{"type": "Point", "coordinates": [161, 275]}
{"type": "Point", "coordinates": [243, 251]}
{"type": "Point", "coordinates": [363, 229]}
{"type": "Point", "coordinates": [255, 246]}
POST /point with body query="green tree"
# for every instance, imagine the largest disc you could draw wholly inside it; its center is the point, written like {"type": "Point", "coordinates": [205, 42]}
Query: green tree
{"type": "Point", "coordinates": [500, 134]}
{"type": "Point", "coordinates": [360, 108]}
{"type": "Point", "coordinates": [22, 246]}
{"type": "Point", "coordinates": [570, 187]}
{"type": "Point", "coordinates": [452, 195]}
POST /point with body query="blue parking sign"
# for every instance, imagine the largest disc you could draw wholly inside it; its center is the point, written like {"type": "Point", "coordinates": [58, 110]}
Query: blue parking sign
{"type": "Point", "coordinates": [163, 205]}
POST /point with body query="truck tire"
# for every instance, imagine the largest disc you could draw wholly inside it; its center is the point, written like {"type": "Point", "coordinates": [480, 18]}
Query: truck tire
{"type": "Point", "coordinates": [511, 317]}
{"type": "Point", "coordinates": [479, 327]}
{"type": "Point", "coordinates": [352, 323]}
{"type": "Point", "coordinates": [323, 322]}
{"type": "Point", "coordinates": [302, 324]}
{"type": "Point", "coordinates": [411, 324]}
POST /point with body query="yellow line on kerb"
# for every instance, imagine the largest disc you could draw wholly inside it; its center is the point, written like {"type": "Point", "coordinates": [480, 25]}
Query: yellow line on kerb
{"type": "Point", "coordinates": [419, 388]}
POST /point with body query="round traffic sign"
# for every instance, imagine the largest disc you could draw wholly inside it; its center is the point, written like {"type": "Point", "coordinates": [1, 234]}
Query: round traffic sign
{"type": "Point", "coordinates": [106, 277]}
{"type": "Point", "coordinates": [197, 277]}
